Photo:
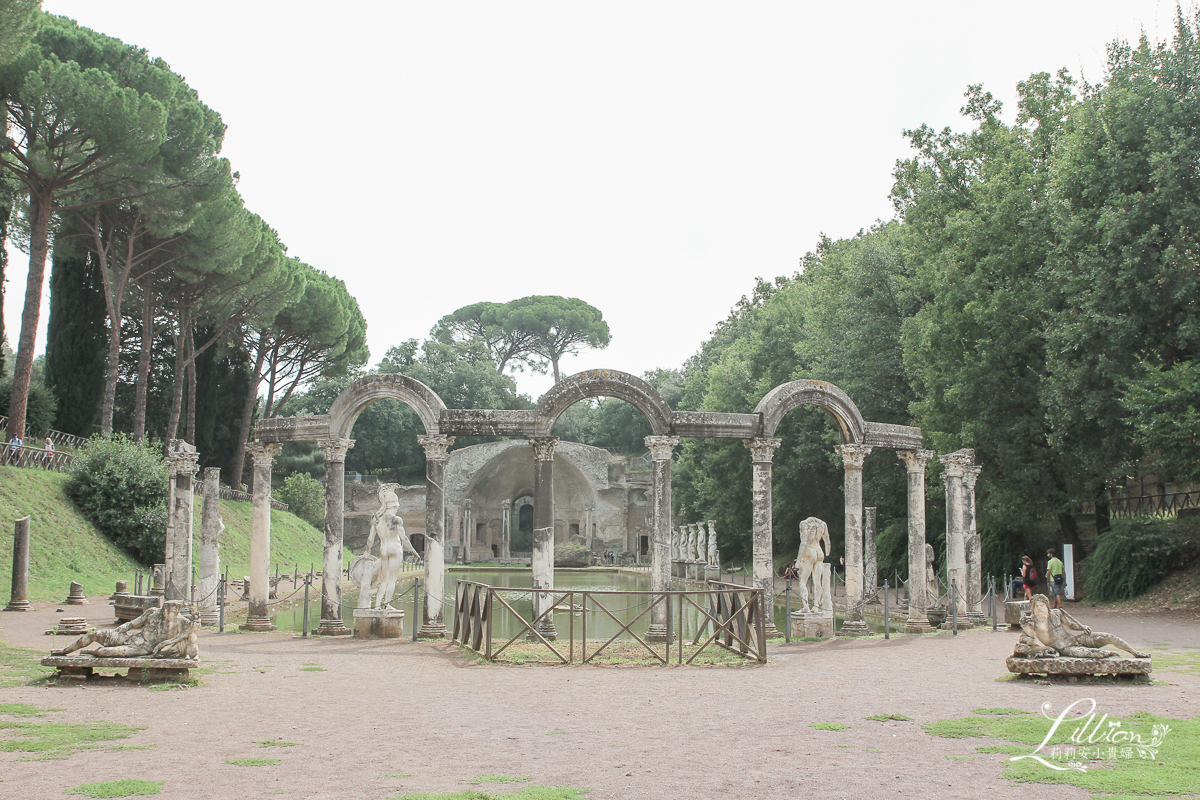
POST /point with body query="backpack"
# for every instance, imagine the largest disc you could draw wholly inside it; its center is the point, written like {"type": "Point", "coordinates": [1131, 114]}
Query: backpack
{"type": "Point", "coordinates": [1033, 575]}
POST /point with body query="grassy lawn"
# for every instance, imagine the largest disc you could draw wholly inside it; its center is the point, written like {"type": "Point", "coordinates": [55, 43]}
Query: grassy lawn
{"type": "Point", "coordinates": [24, 729]}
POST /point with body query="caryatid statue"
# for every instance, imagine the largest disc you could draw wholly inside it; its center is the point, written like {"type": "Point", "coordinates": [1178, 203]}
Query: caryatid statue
{"type": "Point", "coordinates": [812, 533]}
{"type": "Point", "coordinates": [378, 576]}
{"type": "Point", "coordinates": [701, 542]}
{"type": "Point", "coordinates": [712, 543]}
{"type": "Point", "coordinates": [931, 583]}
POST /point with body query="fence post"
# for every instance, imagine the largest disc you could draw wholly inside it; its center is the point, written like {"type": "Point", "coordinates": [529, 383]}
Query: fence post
{"type": "Point", "coordinates": [416, 606]}
{"type": "Point", "coordinates": [992, 591]}
{"type": "Point", "coordinates": [887, 626]}
{"type": "Point", "coordinates": [222, 590]}
{"type": "Point", "coordinates": [307, 582]}
{"type": "Point", "coordinates": [954, 606]}
{"type": "Point", "coordinates": [787, 610]}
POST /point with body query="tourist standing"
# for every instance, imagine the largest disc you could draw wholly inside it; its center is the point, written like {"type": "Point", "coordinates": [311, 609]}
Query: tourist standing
{"type": "Point", "coordinates": [48, 455]}
{"type": "Point", "coordinates": [1028, 576]}
{"type": "Point", "coordinates": [1056, 577]}
{"type": "Point", "coordinates": [14, 449]}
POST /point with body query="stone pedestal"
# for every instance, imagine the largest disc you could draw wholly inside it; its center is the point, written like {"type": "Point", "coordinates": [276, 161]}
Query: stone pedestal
{"type": "Point", "coordinates": [70, 626]}
{"type": "Point", "coordinates": [1013, 609]}
{"type": "Point", "coordinates": [964, 624]}
{"type": "Point", "coordinates": [854, 627]}
{"type": "Point", "coordinates": [76, 596]}
{"type": "Point", "coordinates": [712, 573]}
{"type": "Point", "coordinates": [812, 625]}
{"type": "Point", "coordinates": [1063, 665]}
{"type": "Point", "coordinates": [378, 623]}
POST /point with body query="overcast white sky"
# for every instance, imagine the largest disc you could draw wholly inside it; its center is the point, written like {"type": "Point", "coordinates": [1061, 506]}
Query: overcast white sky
{"type": "Point", "coordinates": [651, 158]}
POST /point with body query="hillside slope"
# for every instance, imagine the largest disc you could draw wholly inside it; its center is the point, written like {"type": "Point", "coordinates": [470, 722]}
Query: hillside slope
{"type": "Point", "coordinates": [66, 547]}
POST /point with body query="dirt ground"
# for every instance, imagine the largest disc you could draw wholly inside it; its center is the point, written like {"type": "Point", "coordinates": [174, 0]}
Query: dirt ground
{"type": "Point", "coordinates": [384, 708]}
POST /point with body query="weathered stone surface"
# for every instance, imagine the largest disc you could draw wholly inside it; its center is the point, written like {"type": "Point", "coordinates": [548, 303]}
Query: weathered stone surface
{"type": "Point", "coordinates": [816, 625]}
{"type": "Point", "coordinates": [853, 456]}
{"type": "Point", "coordinates": [132, 606]}
{"type": "Point", "coordinates": [211, 528]}
{"type": "Point", "coordinates": [82, 666]}
{"type": "Point", "coordinates": [762, 451]}
{"type": "Point", "coordinates": [894, 437]}
{"type": "Point", "coordinates": [1013, 609]}
{"type": "Point", "coordinates": [1062, 665]}
{"type": "Point", "coordinates": [258, 618]}
{"type": "Point", "coordinates": [182, 459]}
{"type": "Point", "coordinates": [604, 383]}
{"type": "Point", "coordinates": [824, 395]}
{"type": "Point", "coordinates": [19, 599]}
{"type": "Point", "coordinates": [378, 623]}
{"type": "Point", "coordinates": [716, 425]}
{"type": "Point", "coordinates": [75, 596]}
{"type": "Point", "coordinates": [313, 428]}
{"type": "Point", "coordinates": [366, 390]}
{"type": "Point", "coordinates": [661, 449]}
{"type": "Point", "coordinates": [488, 422]}
{"type": "Point", "coordinates": [918, 599]}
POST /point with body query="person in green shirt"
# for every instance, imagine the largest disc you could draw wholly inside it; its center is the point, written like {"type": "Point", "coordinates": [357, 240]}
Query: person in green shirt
{"type": "Point", "coordinates": [1056, 577]}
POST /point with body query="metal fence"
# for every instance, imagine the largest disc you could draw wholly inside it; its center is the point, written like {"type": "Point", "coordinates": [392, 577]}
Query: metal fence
{"type": "Point", "coordinates": [59, 438]}
{"type": "Point", "coordinates": [734, 614]}
{"type": "Point", "coordinates": [226, 493]}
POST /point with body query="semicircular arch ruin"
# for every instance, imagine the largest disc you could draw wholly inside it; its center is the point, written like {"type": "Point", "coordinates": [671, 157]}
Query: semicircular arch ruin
{"type": "Point", "coordinates": [603, 383]}
{"type": "Point", "coordinates": [355, 398]}
{"type": "Point", "coordinates": [824, 395]}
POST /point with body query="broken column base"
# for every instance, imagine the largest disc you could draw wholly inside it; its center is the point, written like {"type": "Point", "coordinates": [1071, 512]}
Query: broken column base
{"type": "Point", "coordinates": [854, 628]}
{"type": "Point", "coordinates": [432, 631]}
{"type": "Point", "coordinates": [1062, 665]}
{"type": "Point", "coordinates": [812, 625]}
{"type": "Point", "coordinates": [378, 623]}
{"type": "Point", "coordinates": [258, 625]}
{"type": "Point", "coordinates": [1012, 613]}
{"type": "Point", "coordinates": [332, 627]}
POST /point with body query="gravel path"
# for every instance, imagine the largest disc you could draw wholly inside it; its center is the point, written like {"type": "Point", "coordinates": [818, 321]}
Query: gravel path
{"type": "Point", "coordinates": [381, 708]}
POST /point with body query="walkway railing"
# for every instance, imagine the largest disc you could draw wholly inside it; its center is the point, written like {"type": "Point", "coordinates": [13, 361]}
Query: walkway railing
{"type": "Point", "coordinates": [36, 458]}
{"type": "Point", "coordinates": [734, 615]}
{"type": "Point", "coordinates": [58, 437]}
{"type": "Point", "coordinates": [226, 493]}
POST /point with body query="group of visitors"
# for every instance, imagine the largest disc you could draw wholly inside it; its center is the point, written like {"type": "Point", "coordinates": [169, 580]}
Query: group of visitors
{"type": "Point", "coordinates": [1056, 577]}
{"type": "Point", "coordinates": [608, 557]}
{"type": "Point", "coordinates": [12, 453]}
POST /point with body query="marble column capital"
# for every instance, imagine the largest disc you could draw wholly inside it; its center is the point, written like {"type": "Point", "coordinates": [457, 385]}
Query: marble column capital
{"type": "Point", "coordinates": [436, 445]}
{"type": "Point", "coordinates": [762, 450]}
{"type": "Point", "coordinates": [661, 447]}
{"type": "Point", "coordinates": [970, 475]}
{"type": "Point", "coordinates": [543, 447]}
{"type": "Point", "coordinates": [335, 449]}
{"type": "Point", "coordinates": [468, 504]}
{"type": "Point", "coordinates": [915, 460]}
{"type": "Point", "coordinates": [955, 464]}
{"type": "Point", "coordinates": [182, 458]}
{"type": "Point", "coordinates": [263, 453]}
{"type": "Point", "coordinates": [506, 504]}
{"type": "Point", "coordinates": [853, 455]}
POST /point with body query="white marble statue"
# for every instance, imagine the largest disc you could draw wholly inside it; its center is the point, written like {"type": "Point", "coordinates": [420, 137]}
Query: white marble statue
{"type": "Point", "coordinates": [158, 633]}
{"type": "Point", "coordinates": [931, 582]}
{"type": "Point", "coordinates": [701, 542]}
{"type": "Point", "coordinates": [824, 590]}
{"type": "Point", "coordinates": [712, 543]}
{"type": "Point", "coordinates": [812, 533]}
{"type": "Point", "coordinates": [378, 576]}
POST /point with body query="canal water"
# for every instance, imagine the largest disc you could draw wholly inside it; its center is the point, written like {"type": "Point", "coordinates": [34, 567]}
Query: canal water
{"type": "Point", "coordinates": [518, 582]}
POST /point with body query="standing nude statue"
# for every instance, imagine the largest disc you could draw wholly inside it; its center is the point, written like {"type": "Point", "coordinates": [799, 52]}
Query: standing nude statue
{"type": "Point", "coordinates": [931, 583]}
{"type": "Point", "coordinates": [1055, 629]}
{"type": "Point", "coordinates": [379, 576]}
{"type": "Point", "coordinates": [158, 633]}
{"type": "Point", "coordinates": [812, 533]}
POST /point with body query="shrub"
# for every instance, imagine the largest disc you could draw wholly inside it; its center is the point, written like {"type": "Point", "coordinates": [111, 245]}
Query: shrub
{"type": "Point", "coordinates": [305, 497]}
{"type": "Point", "coordinates": [1136, 554]}
{"type": "Point", "coordinates": [121, 486]}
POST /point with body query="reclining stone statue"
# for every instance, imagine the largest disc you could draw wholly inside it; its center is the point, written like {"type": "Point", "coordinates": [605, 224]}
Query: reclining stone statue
{"type": "Point", "coordinates": [1051, 632]}
{"type": "Point", "coordinates": [158, 633]}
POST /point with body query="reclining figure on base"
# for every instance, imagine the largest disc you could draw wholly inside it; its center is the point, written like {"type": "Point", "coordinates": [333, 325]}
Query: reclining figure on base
{"type": "Point", "coordinates": [158, 633]}
{"type": "Point", "coordinates": [1051, 632]}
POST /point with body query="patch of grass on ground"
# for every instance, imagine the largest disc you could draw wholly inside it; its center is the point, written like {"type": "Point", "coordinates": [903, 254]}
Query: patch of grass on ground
{"type": "Point", "coordinates": [1176, 662]}
{"type": "Point", "coordinates": [125, 788]}
{"type": "Point", "coordinates": [829, 726]}
{"type": "Point", "coordinates": [889, 717]}
{"type": "Point", "coordinates": [556, 733]}
{"type": "Point", "coordinates": [312, 669]}
{"type": "Point", "coordinates": [47, 740]}
{"type": "Point", "coordinates": [20, 666]}
{"type": "Point", "coordinates": [534, 792]}
{"type": "Point", "coordinates": [22, 710]}
{"type": "Point", "coordinates": [500, 778]}
{"type": "Point", "coordinates": [997, 712]}
{"type": "Point", "coordinates": [1171, 771]}
{"type": "Point", "coordinates": [275, 743]}
{"type": "Point", "coordinates": [253, 762]}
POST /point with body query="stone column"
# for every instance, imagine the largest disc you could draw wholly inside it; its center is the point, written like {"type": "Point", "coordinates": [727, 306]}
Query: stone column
{"type": "Point", "coordinates": [974, 549]}
{"type": "Point", "coordinates": [468, 529]}
{"type": "Point", "coordinates": [335, 516]}
{"type": "Point", "coordinates": [712, 543]}
{"type": "Point", "coordinates": [181, 466]}
{"type": "Point", "coordinates": [506, 529]}
{"type": "Point", "coordinates": [853, 456]}
{"type": "Point", "coordinates": [258, 619]}
{"type": "Point", "coordinates": [543, 527]}
{"type": "Point", "coordinates": [762, 451]}
{"type": "Point", "coordinates": [915, 461]}
{"type": "Point", "coordinates": [661, 449]}
{"type": "Point", "coordinates": [870, 565]}
{"type": "Point", "coordinates": [210, 547]}
{"type": "Point", "coordinates": [587, 523]}
{"type": "Point", "coordinates": [19, 600]}
{"type": "Point", "coordinates": [956, 553]}
{"type": "Point", "coordinates": [436, 452]}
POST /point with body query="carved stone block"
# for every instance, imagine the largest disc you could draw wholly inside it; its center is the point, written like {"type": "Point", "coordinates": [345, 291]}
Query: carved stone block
{"type": "Point", "coordinates": [1078, 666]}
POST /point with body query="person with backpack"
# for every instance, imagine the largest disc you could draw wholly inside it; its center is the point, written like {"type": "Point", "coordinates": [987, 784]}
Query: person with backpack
{"type": "Point", "coordinates": [1056, 577]}
{"type": "Point", "coordinates": [1029, 576]}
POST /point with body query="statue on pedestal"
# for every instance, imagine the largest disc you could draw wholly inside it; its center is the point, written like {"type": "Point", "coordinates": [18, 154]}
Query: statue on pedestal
{"type": "Point", "coordinates": [812, 533]}
{"type": "Point", "coordinates": [158, 633]}
{"type": "Point", "coordinates": [378, 575]}
{"type": "Point", "coordinates": [1052, 632]}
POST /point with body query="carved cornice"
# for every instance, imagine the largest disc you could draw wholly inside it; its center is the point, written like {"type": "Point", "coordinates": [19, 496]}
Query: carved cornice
{"type": "Point", "coordinates": [543, 447]}
{"type": "Point", "coordinates": [335, 449]}
{"type": "Point", "coordinates": [853, 455]}
{"type": "Point", "coordinates": [956, 463]}
{"type": "Point", "coordinates": [762, 450]}
{"type": "Point", "coordinates": [436, 445]}
{"type": "Point", "coordinates": [970, 475]}
{"type": "Point", "coordinates": [263, 453]}
{"type": "Point", "coordinates": [181, 458]}
{"type": "Point", "coordinates": [661, 447]}
{"type": "Point", "coordinates": [915, 460]}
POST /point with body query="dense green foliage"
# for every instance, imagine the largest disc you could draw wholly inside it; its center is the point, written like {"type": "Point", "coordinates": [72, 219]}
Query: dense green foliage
{"type": "Point", "coordinates": [41, 408]}
{"type": "Point", "coordinates": [305, 497]}
{"type": "Point", "coordinates": [75, 338]}
{"type": "Point", "coordinates": [1137, 553]}
{"type": "Point", "coordinates": [121, 486]}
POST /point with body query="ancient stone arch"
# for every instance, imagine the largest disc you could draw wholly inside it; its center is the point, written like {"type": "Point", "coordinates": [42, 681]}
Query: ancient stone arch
{"type": "Point", "coordinates": [354, 399]}
{"type": "Point", "coordinates": [603, 383]}
{"type": "Point", "coordinates": [824, 395]}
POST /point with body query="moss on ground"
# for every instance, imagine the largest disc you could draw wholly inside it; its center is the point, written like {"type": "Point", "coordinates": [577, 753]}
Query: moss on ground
{"type": "Point", "coordinates": [123, 788]}
{"type": "Point", "coordinates": [49, 739]}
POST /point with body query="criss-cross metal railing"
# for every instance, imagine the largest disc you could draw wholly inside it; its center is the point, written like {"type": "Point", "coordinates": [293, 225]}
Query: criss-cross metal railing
{"type": "Point", "coordinates": [734, 614]}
